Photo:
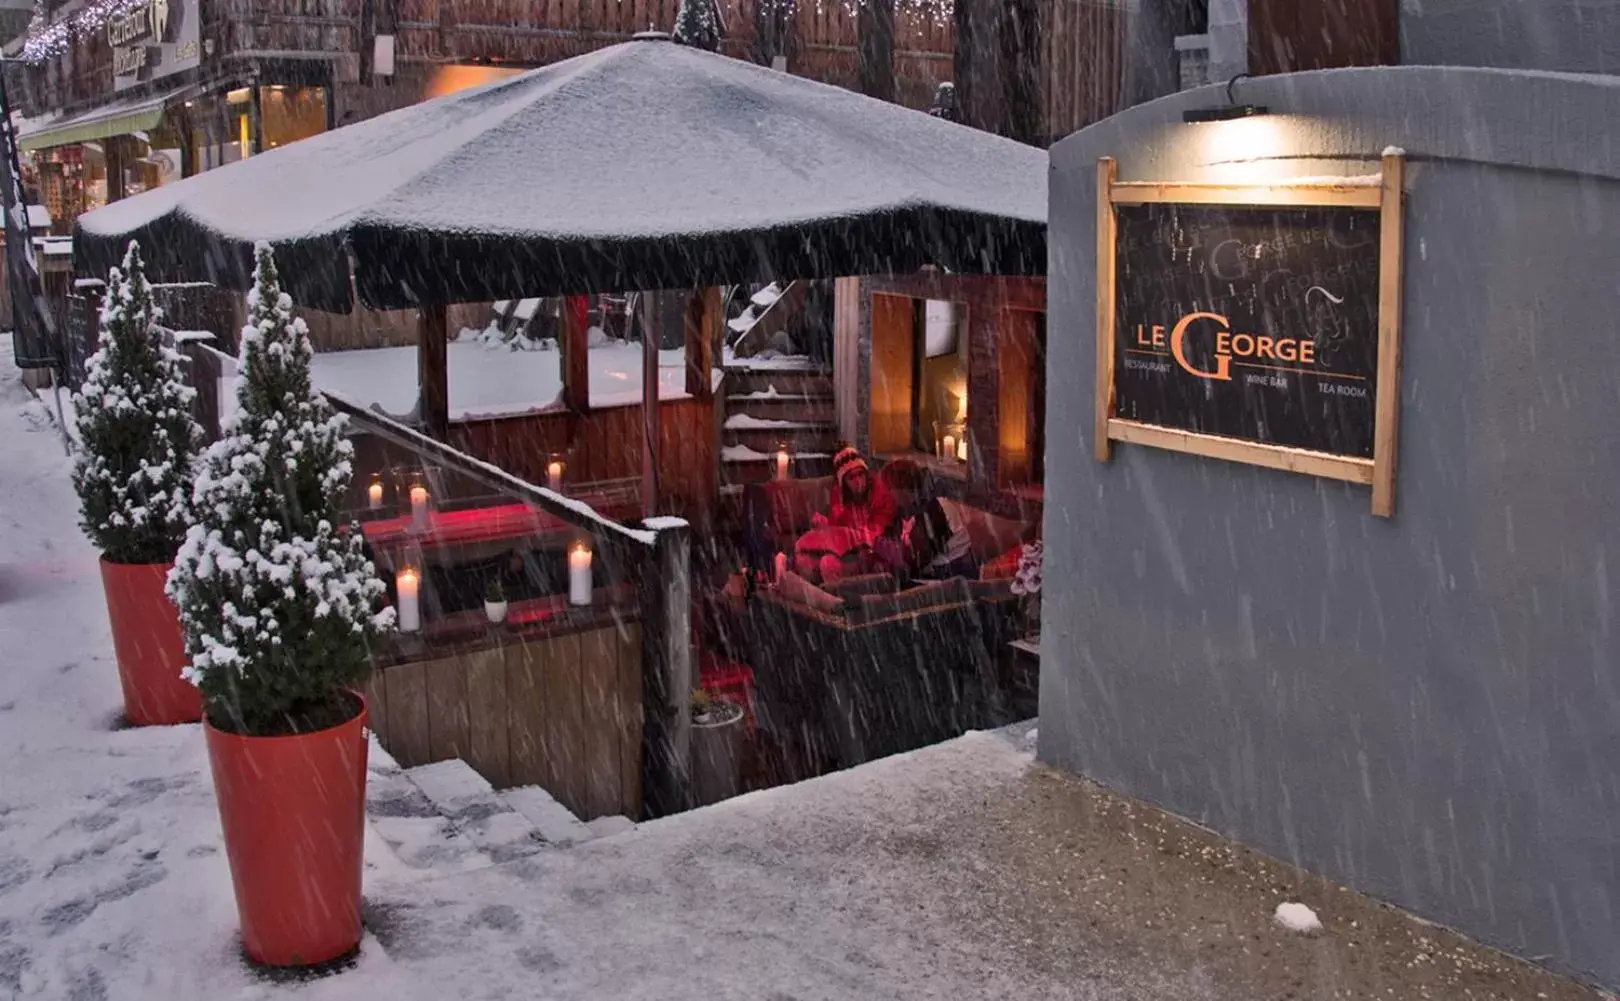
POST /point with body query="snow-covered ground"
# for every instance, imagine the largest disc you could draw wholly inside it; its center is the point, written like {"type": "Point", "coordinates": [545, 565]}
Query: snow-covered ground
{"type": "Point", "coordinates": [957, 871]}
{"type": "Point", "coordinates": [488, 382]}
{"type": "Point", "coordinates": [113, 881]}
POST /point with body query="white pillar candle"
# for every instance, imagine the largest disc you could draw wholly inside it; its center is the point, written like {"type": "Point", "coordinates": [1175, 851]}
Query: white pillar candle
{"type": "Point", "coordinates": [781, 565]}
{"type": "Point", "coordinates": [407, 604]}
{"type": "Point", "coordinates": [579, 575]}
{"type": "Point", "coordinates": [374, 494]}
{"type": "Point", "coordinates": [950, 445]}
{"type": "Point", "coordinates": [554, 471]}
{"type": "Point", "coordinates": [782, 460]}
{"type": "Point", "coordinates": [961, 449]}
{"type": "Point", "coordinates": [419, 508]}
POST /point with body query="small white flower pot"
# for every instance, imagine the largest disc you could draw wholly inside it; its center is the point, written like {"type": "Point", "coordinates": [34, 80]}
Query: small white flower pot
{"type": "Point", "coordinates": [496, 611]}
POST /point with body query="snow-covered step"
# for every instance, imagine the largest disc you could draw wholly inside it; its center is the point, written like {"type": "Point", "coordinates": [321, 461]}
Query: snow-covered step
{"type": "Point", "coordinates": [748, 422]}
{"type": "Point", "coordinates": [555, 822]}
{"type": "Point", "coordinates": [801, 378]}
{"type": "Point", "coordinates": [766, 296]}
{"type": "Point", "coordinates": [410, 825]}
{"type": "Point", "coordinates": [469, 802]}
{"type": "Point", "coordinates": [607, 827]}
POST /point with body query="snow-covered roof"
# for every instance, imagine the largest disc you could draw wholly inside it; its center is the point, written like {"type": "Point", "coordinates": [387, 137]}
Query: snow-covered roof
{"type": "Point", "coordinates": [643, 165]}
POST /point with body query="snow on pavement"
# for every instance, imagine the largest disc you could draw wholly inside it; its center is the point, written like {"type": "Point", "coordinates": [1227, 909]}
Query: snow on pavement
{"type": "Point", "coordinates": [956, 871]}
{"type": "Point", "coordinates": [113, 880]}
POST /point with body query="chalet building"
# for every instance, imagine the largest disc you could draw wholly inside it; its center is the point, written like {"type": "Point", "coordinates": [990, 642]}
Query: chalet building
{"type": "Point", "coordinates": [127, 96]}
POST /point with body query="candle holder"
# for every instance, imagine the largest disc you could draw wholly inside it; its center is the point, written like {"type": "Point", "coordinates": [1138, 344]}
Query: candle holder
{"type": "Point", "coordinates": [784, 461]}
{"type": "Point", "coordinates": [950, 440]}
{"type": "Point", "coordinates": [419, 505]}
{"type": "Point", "coordinates": [408, 599]}
{"type": "Point", "coordinates": [556, 466]}
{"type": "Point", "coordinates": [579, 573]}
{"type": "Point", "coordinates": [374, 493]}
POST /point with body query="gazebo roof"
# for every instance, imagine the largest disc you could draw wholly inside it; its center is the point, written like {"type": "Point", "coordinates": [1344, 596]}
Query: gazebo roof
{"type": "Point", "coordinates": [643, 165]}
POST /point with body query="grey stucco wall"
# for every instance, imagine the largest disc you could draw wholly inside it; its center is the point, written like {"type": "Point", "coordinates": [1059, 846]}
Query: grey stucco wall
{"type": "Point", "coordinates": [1426, 708]}
{"type": "Point", "coordinates": [1572, 36]}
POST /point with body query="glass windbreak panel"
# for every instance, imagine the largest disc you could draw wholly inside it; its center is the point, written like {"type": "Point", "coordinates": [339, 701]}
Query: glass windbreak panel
{"type": "Point", "coordinates": [503, 358]}
{"type": "Point", "coordinates": [461, 556]}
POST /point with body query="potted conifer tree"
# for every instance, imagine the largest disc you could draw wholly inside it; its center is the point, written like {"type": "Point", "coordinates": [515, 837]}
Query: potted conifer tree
{"type": "Point", "coordinates": [133, 477]}
{"type": "Point", "coordinates": [280, 603]}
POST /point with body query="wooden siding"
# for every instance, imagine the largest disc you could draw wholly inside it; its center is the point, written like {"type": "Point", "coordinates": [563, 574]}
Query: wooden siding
{"type": "Point", "coordinates": [560, 711]}
{"type": "Point", "coordinates": [606, 445]}
{"type": "Point", "coordinates": [1084, 62]}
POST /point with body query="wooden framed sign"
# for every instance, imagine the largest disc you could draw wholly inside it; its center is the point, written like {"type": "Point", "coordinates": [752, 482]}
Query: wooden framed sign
{"type": "Point", "coordinates": [1254, 324]}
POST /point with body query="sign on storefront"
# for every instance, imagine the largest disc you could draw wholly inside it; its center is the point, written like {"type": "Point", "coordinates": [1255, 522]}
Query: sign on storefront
{"type": "Point", "coordinates": [154, 40]}
{"type": "Point", "coordinates": [1254, 324]}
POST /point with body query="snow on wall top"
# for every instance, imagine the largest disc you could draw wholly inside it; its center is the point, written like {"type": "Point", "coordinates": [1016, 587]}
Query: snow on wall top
{"type": "Point", "coordinates": [638, 140]}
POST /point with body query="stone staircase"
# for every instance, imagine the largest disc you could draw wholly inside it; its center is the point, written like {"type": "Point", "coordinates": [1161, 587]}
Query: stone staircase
{"type": "Point", "coordinates": [445, 818]}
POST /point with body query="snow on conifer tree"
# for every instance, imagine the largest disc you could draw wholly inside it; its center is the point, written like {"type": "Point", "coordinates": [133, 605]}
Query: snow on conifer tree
{"type": "Point", "coordinates": [133, 415]}
{"type": "Point", "coordinates": [698, 24]}
{"type": "Point", "coordinates": [278, 601]}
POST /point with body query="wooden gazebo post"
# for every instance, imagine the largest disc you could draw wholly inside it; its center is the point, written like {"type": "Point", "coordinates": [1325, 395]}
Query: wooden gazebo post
{"type": "Point", "coordinates": [433, 369]}
{"type": "Point", "coordinates": [651, 302]}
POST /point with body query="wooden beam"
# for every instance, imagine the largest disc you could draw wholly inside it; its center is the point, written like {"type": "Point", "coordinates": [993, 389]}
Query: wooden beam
{"type": "Point", "coordinates": [1363, 196]}
{"type": "Point", "coordinates": [668, 675]}
{"type": "Point", "coordinates": [576, 359]}
{"type": "Point", "coordinates": [1107, 170]}
{"type": "Point", "coordinates": [703, 319]}
{"type": "Point", "coordinates": [432, 369]}
{"type": "Point", "coordinates": [1386, 417]}
{"type": "Point", "coordinates": [651, 306]}
{"type": "Point", "coordinates": [1293, 460]}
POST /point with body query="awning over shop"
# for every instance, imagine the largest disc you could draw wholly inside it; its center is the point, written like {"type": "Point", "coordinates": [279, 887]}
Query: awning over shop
{"type": "Point", "coordinates": [116, 119]}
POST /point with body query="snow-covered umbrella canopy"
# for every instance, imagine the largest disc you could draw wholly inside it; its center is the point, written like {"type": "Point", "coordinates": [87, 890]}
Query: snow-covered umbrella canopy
{"type": "Point", "coordinates": [643, 165]}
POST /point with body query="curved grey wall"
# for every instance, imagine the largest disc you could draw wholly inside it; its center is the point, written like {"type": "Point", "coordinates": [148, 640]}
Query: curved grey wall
{"type": "Point", "coordinates": [1426, 708]}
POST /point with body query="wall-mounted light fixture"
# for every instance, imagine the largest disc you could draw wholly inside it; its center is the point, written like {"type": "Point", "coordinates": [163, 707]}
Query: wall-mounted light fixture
{"type": "Point", "coordinates": [1227, 112]}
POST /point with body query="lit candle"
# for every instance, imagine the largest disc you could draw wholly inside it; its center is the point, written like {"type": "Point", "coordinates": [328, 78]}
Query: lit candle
{"type": "Point", "coordinates": [961, 449]}
{"type": "Point", "coordinates": [950, 445]}
{"type": "Point", "coordinates": [407, 604]}
{"type": "Point", "coordinates": [782, 463]}
{"type": "Point", "coordinates": [781, 565]}
{"type": "Point", "coordinates": [374, 494]}
{"type": "Point", "coordinates": [554, 471]}
{"type": "Point", "coordinates": [579, 575]}
{"type": "Point", "coordinates": [419, 508]}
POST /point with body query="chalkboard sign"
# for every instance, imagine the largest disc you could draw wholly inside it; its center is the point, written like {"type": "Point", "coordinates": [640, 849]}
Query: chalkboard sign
{"type": "Point", "coordinates": [1257, 323]}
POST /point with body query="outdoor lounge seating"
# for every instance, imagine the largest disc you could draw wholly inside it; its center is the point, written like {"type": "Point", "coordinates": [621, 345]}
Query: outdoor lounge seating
{"type": "Point", "coordinates": [885, 672]}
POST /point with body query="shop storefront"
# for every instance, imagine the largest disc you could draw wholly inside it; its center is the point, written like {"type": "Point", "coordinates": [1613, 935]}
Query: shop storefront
{"type": "Point", "coordinates": [138, 106]}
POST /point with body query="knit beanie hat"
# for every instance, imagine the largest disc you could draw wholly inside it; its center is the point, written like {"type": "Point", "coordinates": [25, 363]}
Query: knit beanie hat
{"type": "Point", "coordinates": [846, 461]}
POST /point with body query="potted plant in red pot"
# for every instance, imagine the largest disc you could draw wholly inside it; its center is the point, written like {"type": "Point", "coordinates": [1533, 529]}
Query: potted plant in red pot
{"type": "Point", "coordinates": [280, 603]}
{"type": "Point", "coordinates": [133, 477]}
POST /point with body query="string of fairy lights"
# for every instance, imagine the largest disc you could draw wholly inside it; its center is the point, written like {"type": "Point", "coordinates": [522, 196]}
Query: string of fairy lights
{"type": "Point", "coordinates": [47, 39]}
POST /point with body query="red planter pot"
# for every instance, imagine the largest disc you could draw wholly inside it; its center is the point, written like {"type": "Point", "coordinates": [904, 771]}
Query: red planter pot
{"type": "Point", "coordinates": [150, 648]}
{"type": "Point", "coordinates": [294, 813]}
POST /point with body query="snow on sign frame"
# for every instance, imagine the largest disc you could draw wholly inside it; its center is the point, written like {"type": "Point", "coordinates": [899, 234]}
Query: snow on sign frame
{"type": "Point", "coordinates": [1256, 324]}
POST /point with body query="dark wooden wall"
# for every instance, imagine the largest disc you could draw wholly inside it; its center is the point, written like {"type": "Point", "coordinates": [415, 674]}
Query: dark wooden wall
{"type": "Point", "coordinates": [1286, 36]}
